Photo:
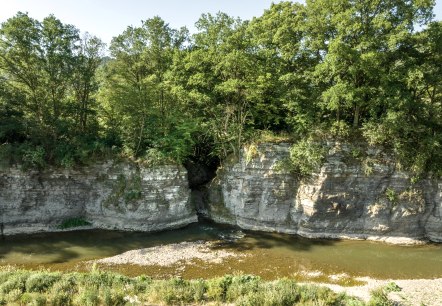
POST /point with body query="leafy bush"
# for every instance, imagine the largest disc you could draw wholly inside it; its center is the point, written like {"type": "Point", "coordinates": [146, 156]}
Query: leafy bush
{"type": "Point", "coordinates": [306, 156]}
{"type": "Point", "coordinates": [40, 282]}
{"type": "Point", "coordinates": [281, 292]}
{"type": "Point", "coordinates": [340, 130]}
{"type": "Point", "coordinates": [15, 281]}
{"type": "Point", "coordinates": [379, 297]}
{"type": "Point", "coordinates": [34, 157]}
{"type": "Point", "coordinates": [67, 285]}
{"type": "Point", "coordinates": [242, 285]}
{"type": "Point", "coordinates": [14, 295]}
{"type": "Point", "coordinates": [391, 195]}
{"type": "Point", "coordinates": [89, 297]}
{"type": "Point", "coordinates": [112, 298]}
{"type": "Point", "coordinates": [392, 287]}
{"type": "Point", "coordinates": [155, 157]}
{"type": "Point", "coordinates": [217, 288]}
{"type": "Point", "coordinates": [61, 299]}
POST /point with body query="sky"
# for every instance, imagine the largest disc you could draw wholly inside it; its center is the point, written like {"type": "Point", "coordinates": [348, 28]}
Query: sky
{"type": "Point", "coordinates": [109, 18]}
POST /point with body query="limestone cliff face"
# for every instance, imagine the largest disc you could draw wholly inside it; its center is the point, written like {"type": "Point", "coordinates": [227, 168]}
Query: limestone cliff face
{"type": "Point", "coordinates": [345, 199]}
{"type": "Point", "coordinates": [109, 195]}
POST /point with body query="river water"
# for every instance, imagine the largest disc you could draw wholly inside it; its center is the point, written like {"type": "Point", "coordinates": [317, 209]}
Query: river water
{"type": "Point", "coordinates": [267, 254]}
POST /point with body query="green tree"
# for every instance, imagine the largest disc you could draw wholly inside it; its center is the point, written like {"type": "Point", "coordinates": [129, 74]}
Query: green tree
{"type": "Point", "coordinates": [357, 42]}
{"type": "Point", "coordinates": [44, 63]}
{"type": "Point", "coordinates": [219, 80]}
{"type": "Point", "coordinates": [137, 91]}
{"type": "Point", "coordinates": [285, 95]}
{"type": "Point", "coordinates": [20, 61]}
{"type": "Point", "coordinates": [88, 58]}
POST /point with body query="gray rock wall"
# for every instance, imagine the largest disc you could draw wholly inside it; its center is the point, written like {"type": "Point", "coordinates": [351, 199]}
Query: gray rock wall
{"type": "Point", "coordinates": [109, 195]}
{"type": "Point", "coordinates": [345, 199]}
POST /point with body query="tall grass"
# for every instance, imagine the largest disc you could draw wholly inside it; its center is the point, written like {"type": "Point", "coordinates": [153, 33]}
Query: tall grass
{"type": "Point", "coordinates": [20, 287]}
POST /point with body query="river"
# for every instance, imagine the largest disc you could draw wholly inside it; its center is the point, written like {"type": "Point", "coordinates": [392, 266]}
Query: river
{"type": "Point", "coordinates": [269, 255]}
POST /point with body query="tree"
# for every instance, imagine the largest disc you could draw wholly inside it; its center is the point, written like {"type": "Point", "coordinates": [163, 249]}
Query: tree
{"type": "Point", "coordinates": [220, 68]}
{"type": "Point", "coordinates": [88, 58]}
{"type": "Point", "coordinates": [20, 61]}
{"type": "Point", "coordinates": [52, 70]}
{"type": "Point", "coordinates": [137, 94]}
{"type": "Point", "coordinates": [285, 94]}
{"type": "Point", "coordinates": [357, 42]}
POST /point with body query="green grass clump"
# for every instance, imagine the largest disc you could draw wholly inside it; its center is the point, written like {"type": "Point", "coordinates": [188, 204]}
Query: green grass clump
{"type": "Point", "coordinates": [107, 288]}
{"type": "Point", "coordinates": [42, 281]}
{"type": "Point", "coordinates": [379, 296]}
{"type": "Point", "coordinates": [73, 222]}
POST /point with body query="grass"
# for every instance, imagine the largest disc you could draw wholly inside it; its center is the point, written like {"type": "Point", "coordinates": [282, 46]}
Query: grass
{"type": "Point", "coordinates": [379, 296]}
{"type": "Point", "coordinates": [73, 222]}
{"type": "Point", "coordinates": [21, 287]}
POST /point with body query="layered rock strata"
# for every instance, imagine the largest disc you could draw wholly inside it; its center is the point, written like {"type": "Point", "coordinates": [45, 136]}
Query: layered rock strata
{"type": "Point", "coordinates": [123, 196]}
{"type": "Point", "coordinates": [347, 198]}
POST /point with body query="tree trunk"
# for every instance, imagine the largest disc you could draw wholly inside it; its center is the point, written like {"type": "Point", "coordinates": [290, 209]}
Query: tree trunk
{"type": "Point", "coordinates": [356, 116]}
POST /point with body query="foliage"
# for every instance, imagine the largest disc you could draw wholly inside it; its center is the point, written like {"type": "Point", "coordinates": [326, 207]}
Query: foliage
{"type": "Point", "coordinates": [106, 288]}
{"type": "Point", "coordinates": [393, 287]}
{"type": "Point", "coordinates": [34, 157]}
{"type": "Point", "coordinates": [43, 281]}
{"type": "Point", "coordinates": [251, 151]}
{"type": "Point", "coordinates": [306, 157]}
{"type": "Point", "coordinates": [391, 195]}
{"type": "Point", "coordinates": [379, 296]}
{"type": "Point", "coordinates": [343, 69]}
{"type": "Point", "coordinates": [47, 75]}
{"type": "Point", "coordinates": [127, 189]}
{"type": "Point", "coordinates": [73, 222]}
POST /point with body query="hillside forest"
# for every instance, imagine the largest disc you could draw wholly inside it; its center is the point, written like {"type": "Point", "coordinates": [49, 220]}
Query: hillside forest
{"type": "Point", "coordinates": [365, 71]}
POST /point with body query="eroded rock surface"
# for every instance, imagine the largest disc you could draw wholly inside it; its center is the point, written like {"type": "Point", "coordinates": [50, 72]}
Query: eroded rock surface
{"type": "Point", "coordinates": [110, 195]}
{"type": "Point", "coordinates": [347, 198]}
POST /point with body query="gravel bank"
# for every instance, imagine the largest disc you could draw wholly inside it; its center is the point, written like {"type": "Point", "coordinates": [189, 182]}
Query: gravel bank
{"type": "Point", "coordinates": [413, 292]}
{"type": "Point", "coordinates": [166, 255]}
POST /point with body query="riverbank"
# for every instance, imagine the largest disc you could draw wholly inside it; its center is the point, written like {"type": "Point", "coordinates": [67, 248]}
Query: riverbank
{"type": "Point", "coordinates": [401, 291]}
{"type": "Point", "coordinates": [407, 291]}
{"type": "Point", "coordinates": [106, 288]}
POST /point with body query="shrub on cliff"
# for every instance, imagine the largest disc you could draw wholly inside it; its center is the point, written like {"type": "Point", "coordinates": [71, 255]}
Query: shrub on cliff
{"type": "Point", "coordinates": [306, 157]}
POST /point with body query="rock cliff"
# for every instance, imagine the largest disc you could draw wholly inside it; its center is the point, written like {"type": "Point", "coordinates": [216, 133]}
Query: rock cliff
{"type": "Point", "coordinates": [347, 198]}
{"type": "Point", "coordinates": [110, 195]}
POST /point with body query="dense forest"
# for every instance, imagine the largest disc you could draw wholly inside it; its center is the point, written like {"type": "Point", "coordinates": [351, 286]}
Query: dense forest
{"type": "Point", "coordinates": [365, 71]}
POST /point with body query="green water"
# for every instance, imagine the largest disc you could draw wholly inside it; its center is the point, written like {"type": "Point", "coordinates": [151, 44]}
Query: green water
{"type": "Point", "coordinates": [268, 255]}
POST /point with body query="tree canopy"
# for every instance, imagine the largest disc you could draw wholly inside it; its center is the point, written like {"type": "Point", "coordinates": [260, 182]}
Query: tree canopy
{"type": "Point", "coordinates": [368, 70]}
